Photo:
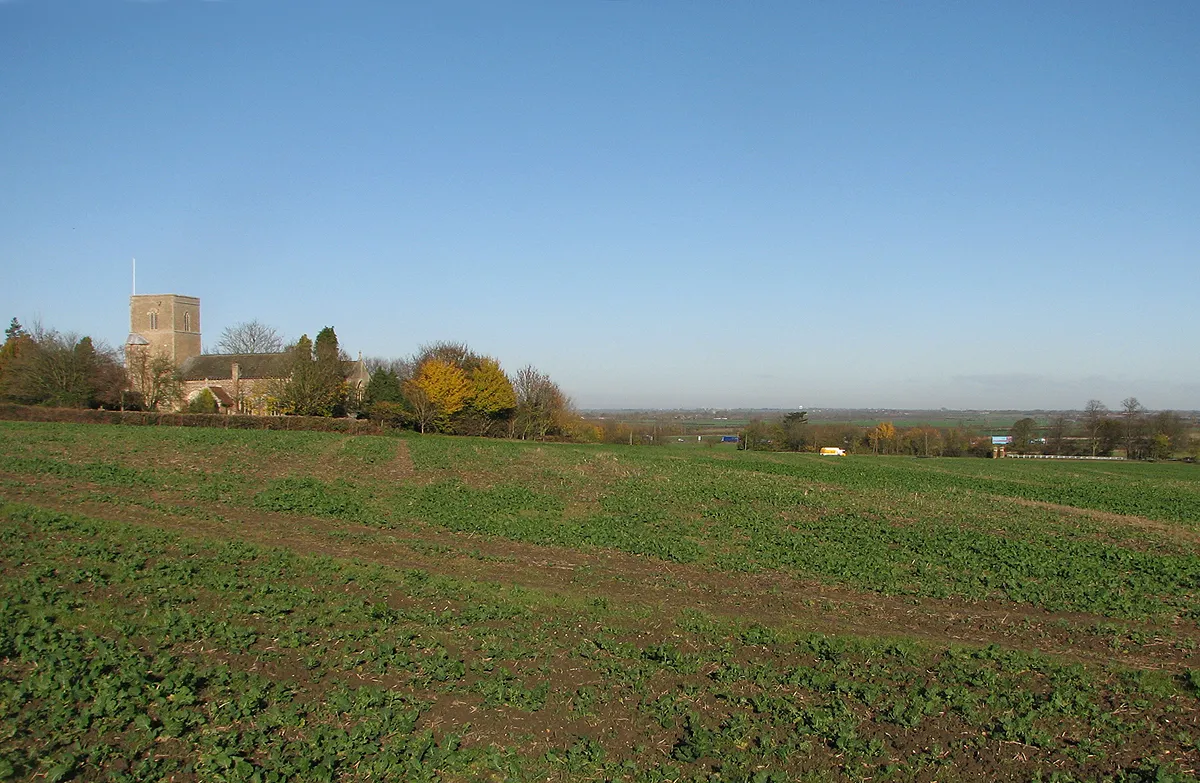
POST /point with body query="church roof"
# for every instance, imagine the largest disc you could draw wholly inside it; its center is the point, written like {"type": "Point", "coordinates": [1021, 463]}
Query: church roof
{"type": "Point", "coordinates": [136, 339]}
{"type": "Point", "coordinates": [219, 366]}
{"type": "Point", "coordinates": [251, 366]}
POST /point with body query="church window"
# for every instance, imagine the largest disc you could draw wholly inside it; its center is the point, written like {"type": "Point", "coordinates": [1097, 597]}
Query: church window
{"type": "Point", "coordinates": [153, 320]}
{"type": "Point", "coordinates": [187, 322]}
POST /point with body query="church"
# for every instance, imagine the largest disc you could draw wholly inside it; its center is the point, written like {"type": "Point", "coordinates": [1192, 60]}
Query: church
{"type": "Point", "coordinates": [169, 325]}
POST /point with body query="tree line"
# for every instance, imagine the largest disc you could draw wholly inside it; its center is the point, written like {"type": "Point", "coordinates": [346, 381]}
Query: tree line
{"type": "Point", "coordinates": [45, 367]}
{"type": "Point", "coordinates": [444, 387]}
{"type": "Point", "coordinates": [447, 387]}
{"type": "Point", "coordinates": [1132, 432]}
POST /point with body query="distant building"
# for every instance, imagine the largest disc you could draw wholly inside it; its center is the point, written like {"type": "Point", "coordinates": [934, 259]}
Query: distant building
{"type": "Point", "coordinates": [169, 324]}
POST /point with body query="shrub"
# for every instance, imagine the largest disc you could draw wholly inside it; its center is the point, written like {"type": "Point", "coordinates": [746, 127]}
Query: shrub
{"type": "Point", "coordinates": [204, 402]}
{"type": "Point", "coordinates": [391, 414]}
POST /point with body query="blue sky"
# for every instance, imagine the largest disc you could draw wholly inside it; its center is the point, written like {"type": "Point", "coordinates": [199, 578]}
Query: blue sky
{"type": "Point", "coordinates": [658, 202]}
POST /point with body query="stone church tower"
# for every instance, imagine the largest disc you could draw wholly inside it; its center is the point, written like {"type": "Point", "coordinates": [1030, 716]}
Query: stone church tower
{"type": "Point", "coordinates": [166, 324]}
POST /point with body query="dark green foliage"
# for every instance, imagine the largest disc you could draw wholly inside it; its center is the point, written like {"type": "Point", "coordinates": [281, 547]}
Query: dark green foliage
{"type": "Point", "coordinates": [14, 331]}
{"type": "Point", "coordinates": [204, 402]}
{"type": "Point", "coordinates": [325, 350]}
{"type": "Point", "coordinates": [384, 400]}
{"type": "Point", "coordinates": [384, 386]}
{"type": "Point", "coordinates": [58, 370]}
{"type": "Point", "coordinates": [791, 433]}
{"type": "Point", "coordinates": [316, 385]}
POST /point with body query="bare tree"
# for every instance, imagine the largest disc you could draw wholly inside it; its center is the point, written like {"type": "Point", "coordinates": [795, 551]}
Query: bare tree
{"type": "Point", "coordinates": [1056, 436]}
{"type": "Point", "coordinates": [458, 354]}
{"type": "Point", "coordinates": [250, 337]}
{"type": "Point", "coordinates": [1173, 426]}
{"type": "Point", "coordinates": [1094, 415]}
{"type": "Point", "coordinates": [403, 368]}
{"type": "Point", "coordinates": [541, 405]}
{"type": "Point", "coordinates": [425, 409]}
{"type": "Point", "coordinates": [157, 378]}
{"type": "Point", "coordinates": [1132, 414]}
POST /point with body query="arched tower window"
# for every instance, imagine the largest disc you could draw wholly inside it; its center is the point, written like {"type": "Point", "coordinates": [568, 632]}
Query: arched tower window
{"type": "Point", "coordinates": [187, 322]}
{"type": "Point", "coordinates": [153, 320]}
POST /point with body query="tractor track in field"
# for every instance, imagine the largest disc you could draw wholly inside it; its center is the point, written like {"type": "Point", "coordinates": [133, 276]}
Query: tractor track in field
{"type": "Point", "coordinates": [1164, 529]}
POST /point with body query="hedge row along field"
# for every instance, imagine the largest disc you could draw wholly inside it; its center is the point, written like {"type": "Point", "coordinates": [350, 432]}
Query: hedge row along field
{"type": "Point", "coordinates": [233, 605]}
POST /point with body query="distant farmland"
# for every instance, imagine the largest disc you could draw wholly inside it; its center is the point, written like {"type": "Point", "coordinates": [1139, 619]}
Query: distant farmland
{"type": "Point", "coordinates": [232, 605]}
{"type": "Point", "coordinates": [670, 425]}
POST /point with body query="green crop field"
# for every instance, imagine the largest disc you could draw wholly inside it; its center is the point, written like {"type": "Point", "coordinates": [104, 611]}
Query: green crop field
{"type": "Point", "coordinates": [203, 604]}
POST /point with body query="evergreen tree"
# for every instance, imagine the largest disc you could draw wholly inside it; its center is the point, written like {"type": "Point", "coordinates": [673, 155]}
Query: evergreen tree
{"type": "Point", "coordinates": [16, 342]}
{"type": "Point", "coordinates": [794, 430]}
{"type": "Point", "coordinates": [14, 331]}
{"type": "Point", "coordinates": [383, 386]}
{"type": "Point", "coordinates": [384, 400]}
{"type": "Point", "coordinates": [317, 385]}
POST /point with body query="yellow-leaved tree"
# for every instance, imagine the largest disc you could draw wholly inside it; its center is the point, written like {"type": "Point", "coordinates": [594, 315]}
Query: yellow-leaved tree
{"type": "Point", "coordinates": [882, 435]}
{"type": "Point", "coordinates": [437, 391]}
{"type": "Point", "coordinates": [492, 392]}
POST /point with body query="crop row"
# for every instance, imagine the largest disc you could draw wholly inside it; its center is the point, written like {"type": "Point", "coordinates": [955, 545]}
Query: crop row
{"type": "Point", "coordinates": [147, 653]}
{"type": "Point", "coordinates": [838, 524]}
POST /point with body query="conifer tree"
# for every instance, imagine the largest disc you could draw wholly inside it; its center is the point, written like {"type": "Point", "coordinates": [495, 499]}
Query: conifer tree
{"type": "Point", "coordinates": [317, 385]}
